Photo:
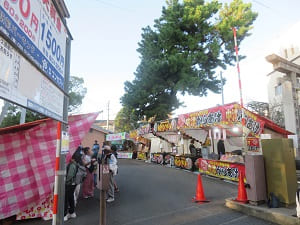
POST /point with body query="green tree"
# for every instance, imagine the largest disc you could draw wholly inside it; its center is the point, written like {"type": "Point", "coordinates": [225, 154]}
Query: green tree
{"type": "Point", "coordinates": [76, 92]}
{"type": "Point", "coordinates": [182, 51]}
{"type": "Point", "coordinates": [125, 120]}
{"type": "Point", "coordinates": [13, 115]}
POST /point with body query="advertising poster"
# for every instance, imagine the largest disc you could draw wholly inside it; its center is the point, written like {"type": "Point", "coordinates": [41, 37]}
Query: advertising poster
{"type": "Point", "coordinates": [23, 84]}
{"type": "Point", "coordinates": [36, 29]}
{"type": "Point", "coordinates": [65, 139]}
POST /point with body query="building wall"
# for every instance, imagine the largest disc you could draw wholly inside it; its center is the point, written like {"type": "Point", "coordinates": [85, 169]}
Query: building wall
{"type": "Point", "coordinates": [91, 136]}
{"type": "Point", "coordinates": [285, 99]}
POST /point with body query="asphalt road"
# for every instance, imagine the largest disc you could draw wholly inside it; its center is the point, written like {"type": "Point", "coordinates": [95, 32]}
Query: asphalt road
{"type": "Point", "coordinates": [152, 194]}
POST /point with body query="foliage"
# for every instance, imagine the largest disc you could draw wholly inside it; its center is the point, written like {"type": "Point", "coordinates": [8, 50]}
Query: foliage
{"type": "Point", "coordinates": [13, 116]}
{"type": "Point", "coordinates": [277, 114]}
{"type": "Point", "coordinates": [76, 93]}
{"type": "Point", "coordinates": [181, 52]}
{"type": "Point", "coordinates": [125, 120]}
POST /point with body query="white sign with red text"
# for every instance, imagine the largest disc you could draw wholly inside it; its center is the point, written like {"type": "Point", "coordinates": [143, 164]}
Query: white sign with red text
{"type": "Point", "coordinates": [37, 30]}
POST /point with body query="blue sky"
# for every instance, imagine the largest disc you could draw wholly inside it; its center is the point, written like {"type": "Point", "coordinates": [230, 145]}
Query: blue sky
{"type": "Point", "coordinates": [106, 35]}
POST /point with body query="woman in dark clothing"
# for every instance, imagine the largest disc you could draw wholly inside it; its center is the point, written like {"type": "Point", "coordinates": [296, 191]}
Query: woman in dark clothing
{"type": "Point", "coordinates": [69, 211]}
{"type": "Point", "coordinates": [192, 147]}
{"type": "Point", "coordinates": [221, 148]}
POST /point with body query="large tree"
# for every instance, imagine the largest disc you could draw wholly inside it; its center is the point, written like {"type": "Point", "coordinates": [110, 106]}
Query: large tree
{"type": "Point", "coordinates": [182, 51]}
{"type": "Point", "coordinates": [125, 120]}
{"type": "Point", "coordinates": [11, 113]}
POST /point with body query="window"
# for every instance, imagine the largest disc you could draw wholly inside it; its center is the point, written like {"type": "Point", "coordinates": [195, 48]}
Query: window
{"type": "Point", "coordinates": [278, 90]}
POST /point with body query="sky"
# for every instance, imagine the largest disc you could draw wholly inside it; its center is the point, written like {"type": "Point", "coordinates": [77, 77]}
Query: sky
{"type": "Point", "coordinates": [106, 35]}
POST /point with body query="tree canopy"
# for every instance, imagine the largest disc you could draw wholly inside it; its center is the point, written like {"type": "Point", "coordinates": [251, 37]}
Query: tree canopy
{"type": "Point", "coordinates": [125, 120]}
{"type": "Point", "coordinates": [76, 93]}
{"type": "Point", "coordinates": [182, 51]}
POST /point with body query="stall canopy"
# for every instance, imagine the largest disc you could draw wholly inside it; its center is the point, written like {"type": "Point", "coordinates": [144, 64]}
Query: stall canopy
{"type": "Point", "coordinates": [27, 160]}
{"type": "Point", "coordinates": [226, 117]}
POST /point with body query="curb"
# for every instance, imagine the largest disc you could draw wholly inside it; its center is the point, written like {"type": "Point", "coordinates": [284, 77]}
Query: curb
{"type": "Point", "coordinates": [263, 213]}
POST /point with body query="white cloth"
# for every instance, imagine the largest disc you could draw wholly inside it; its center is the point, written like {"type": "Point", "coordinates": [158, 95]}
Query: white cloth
{"type": "Point", "coordinates": [113, 164]}
{"type": "Point", "coordinates": [86, 160]}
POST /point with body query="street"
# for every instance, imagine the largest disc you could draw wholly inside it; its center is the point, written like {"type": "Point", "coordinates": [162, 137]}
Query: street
{"type": "Point", "coordinates": [152, 194]}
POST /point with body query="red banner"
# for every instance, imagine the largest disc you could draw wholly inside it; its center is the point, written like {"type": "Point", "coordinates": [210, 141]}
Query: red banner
{"type": "Point", "coordinates": [225, 170]}
{"type": "Point", "coordinates": [222, 115]}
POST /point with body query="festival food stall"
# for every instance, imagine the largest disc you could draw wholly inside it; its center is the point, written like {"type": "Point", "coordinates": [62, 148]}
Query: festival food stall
{"type": "Point", "coordinates": [141, 137]}
{"type": "Point", "coordinates": [119, 139]}
{"type": "Point", "coordinates": [225, 122]}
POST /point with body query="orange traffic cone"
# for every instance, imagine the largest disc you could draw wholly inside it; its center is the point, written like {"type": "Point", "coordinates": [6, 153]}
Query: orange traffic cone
{"type": "Point", "coordinates": [242, 193]}
{"type": "Point", "coordinates": [199, 192]}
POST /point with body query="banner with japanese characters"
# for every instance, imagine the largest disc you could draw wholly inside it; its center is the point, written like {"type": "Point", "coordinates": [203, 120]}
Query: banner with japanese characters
{"type": "Point", "coordinates": [225, 170]}
{"type": "Point", "coordinates": [23, 84]}
{"type": "Point", "coordinates": [36, 28]}
{"type": "Point", "coordinates": [166, 125]}
{"type": "Point", "coordinates": [117, 136]}
{"type": "Point", "coordinates": [230, 114]}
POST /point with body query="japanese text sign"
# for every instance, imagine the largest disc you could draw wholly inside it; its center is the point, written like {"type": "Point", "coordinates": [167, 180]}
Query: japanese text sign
{"type": "Point", "coordinates": [228, 114]}
{"type": "Point", "coordinates": [36, 29]}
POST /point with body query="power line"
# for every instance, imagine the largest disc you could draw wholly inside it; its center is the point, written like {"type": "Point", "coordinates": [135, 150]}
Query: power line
{"type": "Point", "coordinates": [262, 4]}
{"type": "Point", "coordinates": [114, 5]}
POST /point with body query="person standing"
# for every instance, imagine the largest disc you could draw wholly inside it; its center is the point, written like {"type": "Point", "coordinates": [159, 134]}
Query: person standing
{"type": "Point", "coordinates": [192, 148]}
{"type": "Point", "coordinates": [88, 183]}
{"type": "Point", "coordinates": [96, 148]}
{"type": "Point", "coordinates": [112, 165]}
{"type": "Point", "coordinates": [78, 157]}
{"type": "Point", "coordinates": [221, 148]}
{"type": "Point", "coordinates": [114, 152]}
{"type": "Point", "coordinates": [69, 210]}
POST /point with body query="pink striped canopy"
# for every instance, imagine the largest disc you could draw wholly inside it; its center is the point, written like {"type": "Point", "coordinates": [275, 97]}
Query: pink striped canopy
{"type": "Point", "coordinates": [27, 160]}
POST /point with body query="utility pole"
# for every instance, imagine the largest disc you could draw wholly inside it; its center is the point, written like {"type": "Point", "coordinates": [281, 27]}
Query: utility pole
{"type": "Point", "coordinates": [23, 115]}
{"type": "Point", "coordinates": [222, 85]}
{"type": "Point", "coordinates": [107, 123]}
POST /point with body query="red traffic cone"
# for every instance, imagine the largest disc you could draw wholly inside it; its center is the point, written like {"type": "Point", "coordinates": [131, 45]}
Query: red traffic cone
{"type": "Point", "coordinates": [242, 193]}
{"type": "Point", "coordinates": [199, 192]}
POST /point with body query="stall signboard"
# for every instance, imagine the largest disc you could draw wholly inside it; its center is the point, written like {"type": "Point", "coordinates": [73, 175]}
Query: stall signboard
{"type": "Point", "coordinates": [124, 155]}
{"type": "Point", "coordinates": [25, 85]}
{"type": "Point", "coordinates": [166, 125]}
{"type": "Point", "coordinates": [221, 169]}
{"type": "Point", "coordinates": [117, 136]}
{"type": "Point", "coordinates": [222, 115]}
{"type": "Point", "coordinates": [37, 30]}
{"type": "Point", "coordinates": [145, 129]}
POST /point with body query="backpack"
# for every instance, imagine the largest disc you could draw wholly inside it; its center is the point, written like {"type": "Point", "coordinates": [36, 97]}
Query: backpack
{"type": "Point", "coordinates": [80, 174]}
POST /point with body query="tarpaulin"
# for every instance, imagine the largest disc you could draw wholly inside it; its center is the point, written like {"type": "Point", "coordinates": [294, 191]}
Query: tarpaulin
{"type": "Point", "coordinates": [27, 160]}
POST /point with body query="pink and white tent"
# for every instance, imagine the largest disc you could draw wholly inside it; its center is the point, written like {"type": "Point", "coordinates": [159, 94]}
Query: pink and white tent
{"type": "Point", "coordinates": [27, 160]}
